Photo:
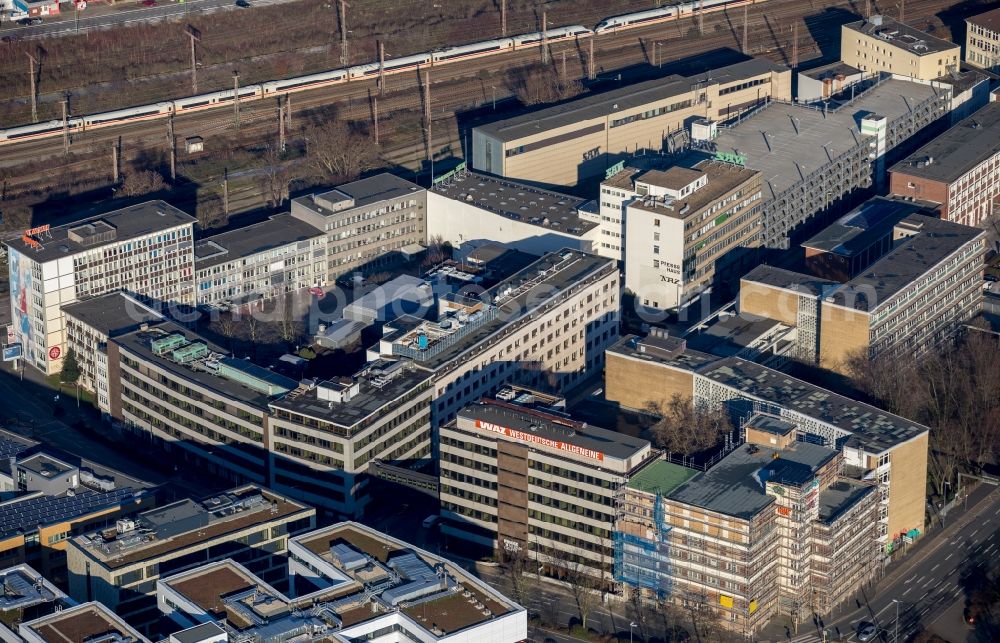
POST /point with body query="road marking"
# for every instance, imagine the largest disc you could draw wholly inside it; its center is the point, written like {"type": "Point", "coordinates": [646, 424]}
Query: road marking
{"type": "Point", "coordinates": [936, 566]}
{"type": "Point", "coordinates": [907, 581]}
{"type": "Point", "coordinates": [949, 556]}
{"type": "Point", "coordinates": [974, 533]}
{"type": "Point", "coordinates": [907, 591]}
{"type": "Point", "coordinates": [988, 549]}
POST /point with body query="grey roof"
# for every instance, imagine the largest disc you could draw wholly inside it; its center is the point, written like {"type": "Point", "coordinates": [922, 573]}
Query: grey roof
{"type": "Point", "coordinates": [664, 350]}
{"type": "Point", "coordinates": [770, 424]}
{"type": "Point", "coordinates": [871, 427]}
{"type": "Point", "coordinates": [23, 587]}
{"type": "Point", "coordinates": [364, 192]}
{"type": "Point", "coordinates": [112, 314]}
{"type": "Point", "coordinates": [26, 514]}
{"type": "Point", "coordinates": [128, 223]}
{"type": "Point", "coordinates": [800, 140]}
{"type": "Point", "coordinates": [908, 260]}
{"type": "Point", "coordinates": [730, 335]}
{"type": "Point", "coordinates": [899, 34]}
{"type": "Point", "coordinates": [862, 226]}
{"type": "Point", "coordinates": [198, 633]}
{"type": "Point", "coordinates": [402, 288]}
{"type": "Point", "coordinates": [733, 486]}
{"type": "Point", "coordinates": [11, 446]}
{"type": "Point", "coordinates": [959, 149]}
{"type": "Point", "coordinates": [552, 427]}
{"type": "Point", "coordinates": [370, 398]}
{"type": "Point", "coordinates": [988, 20]}
{"type": "Point", "coordinates": [841, 496]}
{"type": "Point", "coordinates": [831, 71]}
{"type": "Point", "coordinates": [790, 280]}
{"type": "Point", "coordinates": [551, 211]}
{"type": "Point", "coordinates": [279, 230]}
{"type": "Point", "coordinates": [601, 105]}
{"type": "Point", "coordinates": [44, 465]}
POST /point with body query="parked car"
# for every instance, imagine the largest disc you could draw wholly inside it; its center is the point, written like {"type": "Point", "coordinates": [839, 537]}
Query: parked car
{"type": "Point", "coordinates": [867, 631]}
{"type": "Point", "coordinates": [243, 3]}
{"type": "Point", "coordinates": [27, 22]}
{"type": "Point", "coordinates": [149, 3]}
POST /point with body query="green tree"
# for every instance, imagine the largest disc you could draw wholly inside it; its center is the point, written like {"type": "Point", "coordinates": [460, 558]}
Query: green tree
{"type": "Point", "coordinates": [70, 373]}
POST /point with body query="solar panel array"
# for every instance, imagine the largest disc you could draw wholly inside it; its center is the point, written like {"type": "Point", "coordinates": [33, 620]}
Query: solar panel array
{"type": "Point", "coordinates": [11, 448]}
{"type": "Point", "coordinates": [26, 515]}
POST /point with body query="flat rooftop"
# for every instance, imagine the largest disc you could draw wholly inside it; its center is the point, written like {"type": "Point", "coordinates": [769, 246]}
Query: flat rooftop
{"type": "Point", "coordinates": [790, 280]}
{"type": "Point", "coordinates": [174, 527]}
{"type": "Point", "coordinates": [729, 335]}
{"type": "Point", "coordinates": [44, 465]}
{"type": "Point", "coordinates": [599, 106]}
{"type": "Point", "coordinates": [841, 496]}
{"type": "Point", "coordinates": [363, 192]}
{"type": "Point", "coordinates": [584, 439]}
{"type": "Point", "coordinates": [11, 446]}
{"type": "Point", "coordinates": [111, 227]}
{"type": "Point", "coordinates": [732, 486]}
{"type": "Point", "coordinates": [279, 230]}
{"type": "Point", "coordinates": [670, 351]}
{"type": "Point", "coordinates": [862, 226]}
{"type": "Point", "coordinates": [898, 34]}
{"type": "Point", "coordinates": [380, 384]}
{"type": "Point", "coordinates": [29, 594]}
{"type": "Point", "coordinates": [907, 261]}
{"type": "Point", "coordinates": [210, 366]}
{"type": "Point", "coordinates": [958, 150]}
{"type": "Point", "coordinates": [722, 179]}
{"type": "Point", "coordinates": [510, 301]}
{"type": "Point", "coordinates": [869, 426]}
{"type": "Point", "coordinates": [833, 70]}
{"type": "Point", "coordinates": [518, 202]}
{"type": "Point", "coordinates": [112, 314]}
{"type": "Point", "coordinates": [26, 514]}
{"type": "Point", "coordinates": [661, 477]}
{"type": "Point", "coordinates": [80, 624]}
{"type": "Point", "coordinates": [790, 142]}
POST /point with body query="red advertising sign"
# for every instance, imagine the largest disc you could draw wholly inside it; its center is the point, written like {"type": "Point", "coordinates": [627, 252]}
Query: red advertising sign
{"type": "Point", "coordinates": [54, 352]}
{"type": "Point", "coordinates": [535, 439]}
{"type": "Point", "coordinates": [30, 232]}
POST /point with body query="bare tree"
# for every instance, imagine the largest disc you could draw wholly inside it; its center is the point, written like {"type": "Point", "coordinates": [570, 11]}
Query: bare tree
{"type": "Point", "coordinates": [140, 182]}
{"type": "Point", "coordinates": [437, 251]}
{"type": "Point", "coordinates": [583, 585]}
{"type": "Point", "coordinates": [537, 83]}
{"type": "Point", "coordinates": [688, 428]}
{"type": "Point", "coordinates": [288, 326]}
{"type": "Point", "coordinates": [336, 149]}
{"type": "Point", "coordinates": [275, 177]}
{"type": "Point", "coordinates": [518, 570]}
{"type": "Point", "coordinates": [15, 217]}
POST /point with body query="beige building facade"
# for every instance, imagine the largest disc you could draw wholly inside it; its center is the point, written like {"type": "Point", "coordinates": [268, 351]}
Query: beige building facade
{"type": "Point", "coordinates": [883, 44]}
{"type": "Point", "coordinates": [982, 40]}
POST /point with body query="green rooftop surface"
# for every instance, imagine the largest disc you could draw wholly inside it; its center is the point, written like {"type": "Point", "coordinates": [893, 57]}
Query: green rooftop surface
{"type": "Point", "coordinates": [661, 477]}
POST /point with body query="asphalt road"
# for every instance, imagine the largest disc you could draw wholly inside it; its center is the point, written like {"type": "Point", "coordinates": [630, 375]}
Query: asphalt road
{"type": "Point", "coordinates": [69, 23]}
{"type": "Point", "coordinates": [928, 584]}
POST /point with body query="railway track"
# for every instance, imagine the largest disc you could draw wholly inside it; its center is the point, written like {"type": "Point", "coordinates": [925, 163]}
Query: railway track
{"type": "Point", "coordinates": [470, 84]}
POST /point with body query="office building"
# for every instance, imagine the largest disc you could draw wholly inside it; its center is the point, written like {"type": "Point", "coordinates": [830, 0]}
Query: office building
{"type": "Point", "coordinates": [471, 207]}
{"type": "Point", "coordinates": [890, 280]}
{"type": "Point", "coordinates": [546, 326]}
{"type": "Point", "coordinates": [577, 141]}
{"type": "Point", "coordinates": [55, 497]}
{"type": "Point", "coordinates": [771, 528]}
{"type": "Point", "coordinates": [368, 223]}
{"type": "Point", "coordinates": [27, 596]}
{"type": "Point", "coordinates": [982, 40]}
{"type": "Point", "coordinates": [876, 445]}
{"type": "Point", "coordinates": [686, 227]}
{"type": "Point", "coordinates": [144, 249]}
{"type": "Point", "coordinates": [119, 566]}
{"type": "Point", "coordinates": [90, 324]}
{"type": "Point", "coordinates": [527, 480]}
{"type": "Point", "coordinates": [80, 624]}
{"type": "Point", "coordinates": [883, 44]}
{"type": "Point", "coordinates": [959, 170]}
{"type": "Point", "coordinates": [347, 583]}
{"type": "Point", "coordinates": [811, 159]}
{"type": "Point", "coordinates": [199, 402]}
{"type": "Point", "coordinates": [259, 261]}
{"type": "Point", "coordinates": [324, 438]}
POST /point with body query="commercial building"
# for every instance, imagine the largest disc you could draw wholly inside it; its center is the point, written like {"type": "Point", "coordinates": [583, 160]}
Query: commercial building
{"type": "Point", "coordinates": [259, 261]}
{"type": "Point", "coordinates": [773, 527]}
{"type": "Point", "coordinates": [325, 437]}
{"type": "Point", "coordinates": [827, 82]}
{"type": "Point", "coordinates": [577, 141]}
{"type": "Point", "coordinates": [876, 445]}
{"type": "Point", "coordinates": [883, 44]}
{"type": "Point", "coordinates": [367, 222]}
{"type": "Point", "coordinates": [546, 327]}
{"type": "Point", "coordinates": [27, 596]}
{"type": "Point", "coordinates": [533, 482]}
{"type": "Point", "coordinates": [890, 280]}
{"type": "Point", "coordinates": [471, 207]}
{"type": "Point", "coordinates": [80, 624]}
{"type": "Point", "coordinates": [200, 403]}
{"type": "Point", "coordinates": [982, 40]}
{"type": "Point", "coordinates": [57, 498]}
{"type": "Point", "coordinates": [811, 158]}
{"type": "Point", "coordinates": [119, 566]}
{"type": "Point", "coordinates": [347, 583]}
{"type": "Point", "coordinates": [685, 227]}
{"type": "Point", "coordinates": [145, 249]}
{"type": "Point", "coordinates": [90, 324]}
{"type": "Point", "coordinates": [959, 170]}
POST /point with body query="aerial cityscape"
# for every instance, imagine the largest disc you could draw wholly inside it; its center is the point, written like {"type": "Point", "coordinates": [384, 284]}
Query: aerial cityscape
{"type": "Point", "coordinates": [500, 321]}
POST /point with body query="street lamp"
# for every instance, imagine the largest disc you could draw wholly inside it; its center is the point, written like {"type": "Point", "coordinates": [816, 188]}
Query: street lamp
{"type": "Point", "coordinates": [895, 636]}
{"type": "Point", "coordinates": [631, 626]}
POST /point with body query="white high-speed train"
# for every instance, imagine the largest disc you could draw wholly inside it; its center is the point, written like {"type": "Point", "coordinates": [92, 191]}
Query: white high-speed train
{"type": "Point", "coordinates": [358, 72]}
